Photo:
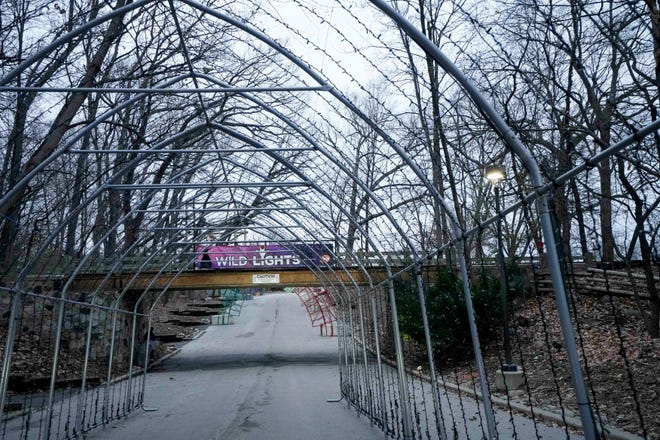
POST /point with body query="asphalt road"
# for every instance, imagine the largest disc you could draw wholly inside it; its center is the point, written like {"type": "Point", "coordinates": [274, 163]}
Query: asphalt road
{"type": "Point", "coordinates": [267, 376]}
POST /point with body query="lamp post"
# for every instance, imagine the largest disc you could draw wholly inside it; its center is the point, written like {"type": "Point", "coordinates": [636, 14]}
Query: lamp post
{"type": "Point", "coordinates": [495, 174]}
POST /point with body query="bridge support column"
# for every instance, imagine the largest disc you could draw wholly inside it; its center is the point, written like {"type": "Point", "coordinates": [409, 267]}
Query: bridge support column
{"type": "Point", "coordinates": [404, 404]}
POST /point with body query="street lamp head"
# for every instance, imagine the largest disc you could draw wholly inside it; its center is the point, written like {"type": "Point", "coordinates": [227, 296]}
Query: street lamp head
{"type": "Point", "coordinates": [494, 174]}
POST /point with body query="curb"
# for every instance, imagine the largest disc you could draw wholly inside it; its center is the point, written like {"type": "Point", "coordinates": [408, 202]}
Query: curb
{"type": "Point", "coordinates": [608, 432]}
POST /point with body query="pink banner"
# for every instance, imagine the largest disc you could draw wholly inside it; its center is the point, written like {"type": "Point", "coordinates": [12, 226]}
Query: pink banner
{"type": "Point", "coordinates": [270, 256]}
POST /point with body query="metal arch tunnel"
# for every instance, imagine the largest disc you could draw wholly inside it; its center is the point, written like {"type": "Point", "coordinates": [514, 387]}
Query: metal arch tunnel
{"type": "Point", "coordinates": [271, 191]}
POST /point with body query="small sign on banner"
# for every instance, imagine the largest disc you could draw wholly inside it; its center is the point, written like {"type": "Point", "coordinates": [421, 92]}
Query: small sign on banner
{"type": "Point", "coordinates": [265, 278]}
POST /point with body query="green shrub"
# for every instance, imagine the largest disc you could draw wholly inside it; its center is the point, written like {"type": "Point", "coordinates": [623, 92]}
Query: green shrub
{"type": "Point", "coordinates": [447, 312]}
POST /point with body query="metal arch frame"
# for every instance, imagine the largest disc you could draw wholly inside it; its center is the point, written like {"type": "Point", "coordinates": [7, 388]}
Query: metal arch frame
{"type": "Point", "coordinates": [97, 193]}
{"type": "Point", "coordinates": [401, 369]}
{"type": "Point", "coordinates": [399, 151]}
{"type": "Point", "coordinates": [116, 302]}
{"type": "Point", "coordinates": [64, 291]}
{"type": "Point", "coordinates": [18, 283]}
{"type": "Point", "coordinates": [313, 267]}
{"type": "Point", "coordinates": [407, 422]}
{"type": "Point", "coordinates": [458, 231]}
{"type": "Point", "coordinates": [530, 164]}
{"type": "Point", "coordinates": [419, 281]}
{"type": "Point", "coordinates": [341, 98]}
{"type": "Point", "coordinates": [265, 39]}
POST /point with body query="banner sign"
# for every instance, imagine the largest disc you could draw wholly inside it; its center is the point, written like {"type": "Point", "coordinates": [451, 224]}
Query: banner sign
{"type": "Point", "coordinates": [268, 256]}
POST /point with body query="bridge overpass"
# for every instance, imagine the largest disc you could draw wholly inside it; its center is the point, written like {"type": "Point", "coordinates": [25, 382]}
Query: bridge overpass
{"type": "Point", "coordinates": [212, 279]}
{"type": "Point", "coordinates": [215, 279]}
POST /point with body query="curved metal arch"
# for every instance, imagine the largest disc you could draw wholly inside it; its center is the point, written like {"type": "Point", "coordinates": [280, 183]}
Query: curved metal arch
{"type": "Point", "coordinates": [327, 226]}
{"type": "Point", "coordinates": [135, 208]}
{"type": "Point", "coordinates": [93, 197]}
{"type": "Point", "coordinates": [533, 170]}
{"type": "Point", "coordinates": [458, 229]}
{"type": "Point", "coordinates": [418, 260]}
{"type": "Point", "coordinates": [30, 264]}
{"type": "Point", "coordinates": [405, 410]}
{"type": "Point", "coordinates": [69, 36]}
{"type": "Point", "coordinates": [338, 238]}
{"type": "Point", "coordinates": [243, 138]}
{"type": "Point", "coordinates": [325, 153]}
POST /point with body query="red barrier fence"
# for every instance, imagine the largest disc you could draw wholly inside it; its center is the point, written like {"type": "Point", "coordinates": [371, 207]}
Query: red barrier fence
{"type": "Point", "coordinates": [320, 308]}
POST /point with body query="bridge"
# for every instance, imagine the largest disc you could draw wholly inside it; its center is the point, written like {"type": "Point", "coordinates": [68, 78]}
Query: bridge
{"type": "Point", "coordinates": [486, 243]}
{"type": "Point", "coordinates": [210, 279]}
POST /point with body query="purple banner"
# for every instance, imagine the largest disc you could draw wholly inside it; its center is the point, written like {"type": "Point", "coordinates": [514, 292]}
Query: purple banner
{"type": "Point", "coordinates": [269, 256]}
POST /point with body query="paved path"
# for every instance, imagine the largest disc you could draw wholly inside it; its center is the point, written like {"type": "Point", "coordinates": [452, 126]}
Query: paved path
{"type": "Point", "coordinates": [268, 376]}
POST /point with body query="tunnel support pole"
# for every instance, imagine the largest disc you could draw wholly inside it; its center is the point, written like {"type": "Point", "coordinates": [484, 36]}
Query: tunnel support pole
{"type": "Point", "coordinates": [556, 273]}
{"type": "Point", "coordinates": [80, 413]}
{"type": "Point", "coordinates": [439, 420]}
{"type": "Point", "coordinates": [365, 359]}
{"type": "Point", "coordinates": [379, 363]}
{"type": "Point", "coordinates": [400, 366]}
{"type": "Point", "coordinates": [53, 373]}
{"type": "Point", "coordinates": [106, 393]}
{"type": "Point", "coordinates": [12, 330]}
{"type": "Point", "coordinates": [147, 358]}
{"type": "Point", "coordinates": [129, 380]}
{"type": "Point", "coordinates": [478, 358]}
